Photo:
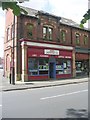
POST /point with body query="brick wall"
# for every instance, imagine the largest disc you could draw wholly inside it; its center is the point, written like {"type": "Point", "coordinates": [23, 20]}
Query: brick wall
{"type": "Point", "coordinates": [45, 20]}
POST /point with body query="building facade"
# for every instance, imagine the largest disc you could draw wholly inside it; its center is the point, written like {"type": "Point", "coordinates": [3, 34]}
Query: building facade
{"type": "Point", "coordinates": [44, 46]}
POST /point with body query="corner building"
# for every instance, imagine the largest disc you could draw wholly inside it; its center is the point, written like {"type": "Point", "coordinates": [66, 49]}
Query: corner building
{"type": "Point", "coordinates": [45, 47]}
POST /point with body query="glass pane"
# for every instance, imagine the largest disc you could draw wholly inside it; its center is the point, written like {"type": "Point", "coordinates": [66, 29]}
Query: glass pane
{"type": "Point", "coordinates": [77, 38]}
{"type": "Point", "coordinates": [85, 39]}
{"type": "Point", "coordinates": [63, 66]}
{"type": "Point", "coordinates": [30, 30]}
{"type": "Point", "coordinates": [43, 66]}
{"type": "Point", "coordinates": [44, 32]}
{"type": "Point", "coordinates": [50, 33]}
{"type": "Point", "coordinates": [33, 66]}
{"type": "Point", "coordinates": [63, 35]}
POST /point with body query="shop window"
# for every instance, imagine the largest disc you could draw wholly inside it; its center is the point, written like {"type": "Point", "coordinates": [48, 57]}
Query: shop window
{"type": "Point", "coordinates": [81, 67]}
{"type": "Point", "coordinates": [30, 30]}
{"type": "Point", "coordinates": [85, 40]}
{"type": "Point", "coordinates": [33, 66]}
{"type": "Point", "coordinates": [63, 35]}
{"type": "Point", "coordinates": [47, 32]}
{"type": "Point", "coordinates": [63, 66]}
{"type": "Point", "coordinates": [43, 66]}
{"type": "Point", "coordinates": [78, 67]}
{"type": "Point", "coordinates": [77, 39]}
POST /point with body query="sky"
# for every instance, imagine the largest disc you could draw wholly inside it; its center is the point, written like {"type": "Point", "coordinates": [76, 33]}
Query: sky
{"type": "Point", "coordinates": [71, 9]}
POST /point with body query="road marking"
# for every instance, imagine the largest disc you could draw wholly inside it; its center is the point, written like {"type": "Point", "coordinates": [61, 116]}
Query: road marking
{"type": "Point", "coordinates": [63, 94]}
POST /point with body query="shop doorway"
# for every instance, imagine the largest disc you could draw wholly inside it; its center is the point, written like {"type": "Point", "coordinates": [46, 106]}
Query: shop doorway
{"type": "Point", "coordinates": [52, 70]}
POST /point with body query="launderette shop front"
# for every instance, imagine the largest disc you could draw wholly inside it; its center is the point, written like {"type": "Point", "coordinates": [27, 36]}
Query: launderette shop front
{"type": "Point", "coordinates": [45, 62]}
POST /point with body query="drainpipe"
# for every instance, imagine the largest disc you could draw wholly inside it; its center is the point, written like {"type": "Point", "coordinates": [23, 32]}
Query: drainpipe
{"type": "Point", "coordinates": [13, 67]}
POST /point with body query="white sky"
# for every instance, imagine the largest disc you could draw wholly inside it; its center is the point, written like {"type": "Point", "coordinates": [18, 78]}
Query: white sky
{"type": "Point", "coordinates": [71, 9]}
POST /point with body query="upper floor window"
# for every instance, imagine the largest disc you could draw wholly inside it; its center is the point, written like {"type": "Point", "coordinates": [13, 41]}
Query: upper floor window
{"type": "Point", "coordinates": [77, 38]}
{"type": "Point", "coordinates": [47, 32]}
{"type": "Point", "coordinates": [44, 32]}
{"type": "Point", "coordinates": [63, 35]}
{"type": "Point", "coordinates": [50, 33]}
{"type": "Point", "coordinates": [12, 32]}
{"type": "Point", "coordinates": [85, 39]}
{"type": "Point", "coordinates": [30, 30]}
{"type": "Point", "coordinates": [8, 34]}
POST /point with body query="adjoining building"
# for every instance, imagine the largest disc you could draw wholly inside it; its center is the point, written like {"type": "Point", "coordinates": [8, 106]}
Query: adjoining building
{"type": "Point", "coordinates": [42, 46]}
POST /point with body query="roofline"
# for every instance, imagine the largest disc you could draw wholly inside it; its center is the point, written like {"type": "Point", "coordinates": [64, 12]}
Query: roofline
{"type": "Point", "coordinates": [75, 27]}
{"type": "Point", "coordinates": [57, 17]}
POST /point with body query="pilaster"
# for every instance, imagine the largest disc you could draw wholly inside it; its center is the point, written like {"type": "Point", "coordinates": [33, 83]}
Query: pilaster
{"type": "Point", "coordinates": [73, 64]}
{"type": "Point", "coordinates": [24, 63]}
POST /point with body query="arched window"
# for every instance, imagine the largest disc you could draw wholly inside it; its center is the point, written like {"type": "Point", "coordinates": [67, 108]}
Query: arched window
{"type": "Point", "coordinates": [63, 35]}
{"type": "Point", "coordinates": [77, 35]}
{"type": "Point", "coordinates": [8, 33]}
{"type": "Point", "coordinates": [85, 40]}
{"type": "Point", "coordinates": [7, 62]}
{"type": "Point", "coordinates": [29, 30]}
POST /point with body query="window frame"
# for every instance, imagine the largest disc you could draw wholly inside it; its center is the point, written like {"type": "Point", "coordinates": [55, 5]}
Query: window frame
{"type": "Point", "coordinates": [8, 34]}
{"type": "Point", "coordinates": [63, 35]}
{"type": "Point", "coordinates": [47, 34]}
{"type": "Point", "coordinates": [85, 40]}
{"type": "Point", "coordinates": [12, 31]}
{"type": "Point", "coordinates": [30, 28]}
{"type": "Point", "coordinates": [77, 38]}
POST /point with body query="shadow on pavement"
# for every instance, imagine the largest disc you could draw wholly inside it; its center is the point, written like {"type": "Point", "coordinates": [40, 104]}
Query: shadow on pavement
{"type": "Point", "coordinates": [77, 113]}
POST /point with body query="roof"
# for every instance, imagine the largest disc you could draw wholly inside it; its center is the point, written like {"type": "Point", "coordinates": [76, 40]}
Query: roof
{"type": "Point", "coordinates": [65, 21]}
{"type": "Point", "coordinates": [31, 12]}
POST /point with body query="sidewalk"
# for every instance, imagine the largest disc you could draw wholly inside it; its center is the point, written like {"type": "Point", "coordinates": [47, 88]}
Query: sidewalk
{"type": "Point", "coordinates": [39, 84]}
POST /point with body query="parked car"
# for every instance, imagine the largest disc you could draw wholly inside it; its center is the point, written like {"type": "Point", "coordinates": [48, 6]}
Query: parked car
{"type": "Point", "coordinates": [1, 66]}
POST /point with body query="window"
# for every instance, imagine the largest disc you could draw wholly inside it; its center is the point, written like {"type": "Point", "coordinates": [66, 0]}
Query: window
{"type": "Point", "coordinates": [81, 67]}
{"type": "Point", "coordinates": [63, 66]}
{"type": "Point", "coordinates": [85, 40]}
{"type": "Point", "coordinates": [43, 66]}
{"type": "Point", "coordinates": [44, 32]}
{"type": "Point", "coordinates": [8, 34]}
{"type": "Point", "coordinates": [12, 32]}
{"type": "Point", "coordinates": [30, 30]}
{"type": "Point", "coordinates": [38, 66]}
{"type": "Point", "coordinates": [77, 38]}
{"type": "Point", "coordinates": [63, 35]}
{"type": "Point", "coordinates": [50, 33]}
{"type": "Point", "coordinates": [33, 66]}
{"type": "Point", "coordinates": [47, 32]}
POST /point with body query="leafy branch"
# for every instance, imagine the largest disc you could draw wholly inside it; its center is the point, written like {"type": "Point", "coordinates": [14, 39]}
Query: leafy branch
{"type": "Point", "coordinates": [86, 17]}
{"type": "Point", "coordinates": [16, 9]}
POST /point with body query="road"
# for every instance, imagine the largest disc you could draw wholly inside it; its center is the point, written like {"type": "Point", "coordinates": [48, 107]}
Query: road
{"type": "Point", "coordinates": [50, 102]}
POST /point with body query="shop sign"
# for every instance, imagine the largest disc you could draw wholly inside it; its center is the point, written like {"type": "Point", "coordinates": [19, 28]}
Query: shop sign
{"type": "Point", "coordinates": [44, 56]}
{"type": "Point", "coordinates": [51, 52]}
{"type": "Point", "coordinates": [68, 57]}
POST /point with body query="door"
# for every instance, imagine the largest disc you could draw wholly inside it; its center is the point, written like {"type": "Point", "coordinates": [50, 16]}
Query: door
{"type": "Point", "coordinates": [52, 70]}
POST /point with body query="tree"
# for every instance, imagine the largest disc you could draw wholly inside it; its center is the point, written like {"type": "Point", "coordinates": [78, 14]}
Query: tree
{"type": "Point", "coordinates": [12, 4]}
{"type": "Point", "coordinates": [86, 17]}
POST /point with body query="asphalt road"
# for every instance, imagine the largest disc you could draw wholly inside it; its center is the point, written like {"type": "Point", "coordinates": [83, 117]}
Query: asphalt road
{"type": "Point", "coordinates": [52, 102]}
